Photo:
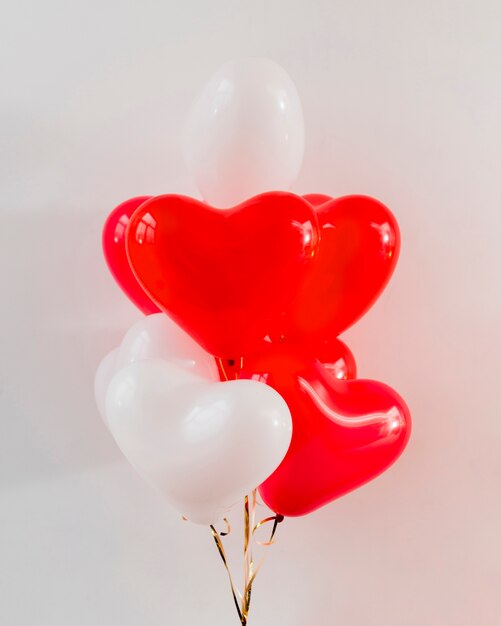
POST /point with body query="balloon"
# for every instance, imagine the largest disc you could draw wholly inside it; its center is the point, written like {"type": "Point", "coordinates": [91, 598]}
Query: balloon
{"type": "Point", "coordinates": [345, 432]}
{"type": "Point", "coordinates": [203, 445]}
{"type": "Point", "coordinates": [337, 359]}
{"type": "Point", "coordinates": [335, 355]}
{"type": "Point", "coordinates": [222, 275]}
{"type": "Point", "coordinates": [245, 133]}
{"type": "Point", "coordinates": [158, 337]}
{"type": "Point", "coordinates": [154, 336]}
{"type": "Point", "coordinates": [358, 251]}
{"type": "Point", "coordinates": [116, 256]}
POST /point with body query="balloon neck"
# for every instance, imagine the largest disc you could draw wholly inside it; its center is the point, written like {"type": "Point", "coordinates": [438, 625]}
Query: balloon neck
{"type": "Point", "coordinates": [229, 368]}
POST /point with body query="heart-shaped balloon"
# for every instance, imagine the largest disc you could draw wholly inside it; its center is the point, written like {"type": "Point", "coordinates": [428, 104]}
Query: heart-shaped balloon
{"type": "Point", "coordinates": [116, 255]}
{"type": "Point", "coordinates": [222, 275]}
{"type": "Point", "coordinates": [153, 337]}
{"type": "Point", "coordinates": [336, 358]}
{"type": "Point", "coordinates": [357, 254]}
{"type": "Point", "coordinates": [345, 432]}
{"type": "Point", "coordinates": [203, 445]}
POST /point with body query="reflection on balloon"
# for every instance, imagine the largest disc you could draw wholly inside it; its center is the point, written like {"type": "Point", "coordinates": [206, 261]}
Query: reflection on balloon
{"type": "Point", "coordinates": [336, 358]}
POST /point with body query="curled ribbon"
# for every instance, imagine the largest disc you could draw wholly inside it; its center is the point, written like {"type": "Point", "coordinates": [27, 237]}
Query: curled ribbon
{"type": "Point", "coordinates": [276, 519]}
{"type": "Point", "coordinates": [250, 571]}
{"type": "Point", "coordinates": [222, 554]}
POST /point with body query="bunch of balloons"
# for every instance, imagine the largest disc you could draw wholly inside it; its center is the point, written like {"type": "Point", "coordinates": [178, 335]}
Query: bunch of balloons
{"type": "Point", "coordinates": [236, 378]}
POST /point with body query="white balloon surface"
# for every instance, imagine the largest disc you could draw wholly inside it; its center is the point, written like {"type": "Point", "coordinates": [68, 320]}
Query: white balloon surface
{"type": "Point", "coordinates": [153, 336]}
{"type": "Point", "coordinates": [202, 443]}
{"type": "Point", "coordinates": [245, 133]}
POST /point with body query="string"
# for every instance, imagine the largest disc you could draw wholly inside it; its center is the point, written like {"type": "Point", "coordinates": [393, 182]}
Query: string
{"type": "Point", "coordinates": [234, 590]}
{"type": "Point", "coordinates": [276, 519]}
{"type": "Point", "coordinates": [250, 571]}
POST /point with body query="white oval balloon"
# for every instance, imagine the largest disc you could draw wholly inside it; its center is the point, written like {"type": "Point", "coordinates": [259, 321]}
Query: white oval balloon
{"type": "Point", "coordinates": [154, 336]}
{"type": "Point", "coordinates": [245, 133]}
{"type": "Point", "coordinates": [203, 445]}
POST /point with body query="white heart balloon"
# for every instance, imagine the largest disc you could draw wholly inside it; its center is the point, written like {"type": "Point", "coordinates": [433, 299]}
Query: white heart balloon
{"type": "Point", "coordinates": [203, 445]}
{"type": "Point", "coordinates": [157, 336]}
{"type": "Point", "coordinates": [154, 336]}
{"type": "Point", "coordinates": [245, 133]}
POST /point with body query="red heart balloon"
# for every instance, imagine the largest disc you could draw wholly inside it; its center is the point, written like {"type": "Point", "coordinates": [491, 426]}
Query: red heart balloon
{"type": "Point", "coordinates": [334, 355]}
{"type": "Point", "coordinates": [116, 255]}
{"type": "Point", "coordinates": [345, 432]}
{"type": "Point", "coordinates": [337, 359]}
{"type": "Point", "coordinates": [358, 251]}
{"type": "Point", "coordinates": [223, 274]}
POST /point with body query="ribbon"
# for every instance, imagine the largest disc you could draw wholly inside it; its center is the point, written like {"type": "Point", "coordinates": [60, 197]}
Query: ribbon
{"type": "Point", "coordinates": [222, 554]}
{"type": "Point", "coordinates": [250, 571]}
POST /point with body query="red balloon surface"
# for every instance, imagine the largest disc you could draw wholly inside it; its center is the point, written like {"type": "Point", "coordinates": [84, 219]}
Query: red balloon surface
{"type": "Point", "coordinates": [358, 251]}
{"type": "Point", "coordinates": [345, 432]}
{"type": "Point", "coordinates": [316, 199]}
{"type": "Point", "coordinates": [116, 255]}
{"type": "Point", "coordinates": [337, 359]}
{"type": "Point", "coordinates": [223, 275]}
{"type": "Point", "coordinates": [335, 356]}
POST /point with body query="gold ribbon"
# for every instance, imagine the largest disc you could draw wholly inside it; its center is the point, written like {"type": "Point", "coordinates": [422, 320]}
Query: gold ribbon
{"type": "Point", "coordinates": [249, 574]}
{"type": "Point", "coordinates": [250, 571]}
{"type": "Point", "coordinates": [276, 519]}
{"type": "Point", "coordinates": [222, 554]}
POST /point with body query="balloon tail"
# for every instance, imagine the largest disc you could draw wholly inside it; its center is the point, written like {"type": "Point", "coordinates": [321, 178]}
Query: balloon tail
{"type": "Point", "coordinates": [242, 601]}
{"type": "Point", "coordinates": [222, 554]}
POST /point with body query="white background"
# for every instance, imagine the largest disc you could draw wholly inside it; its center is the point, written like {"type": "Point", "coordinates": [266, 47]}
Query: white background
{"type": "Point", "coordinates": [402, 101]}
